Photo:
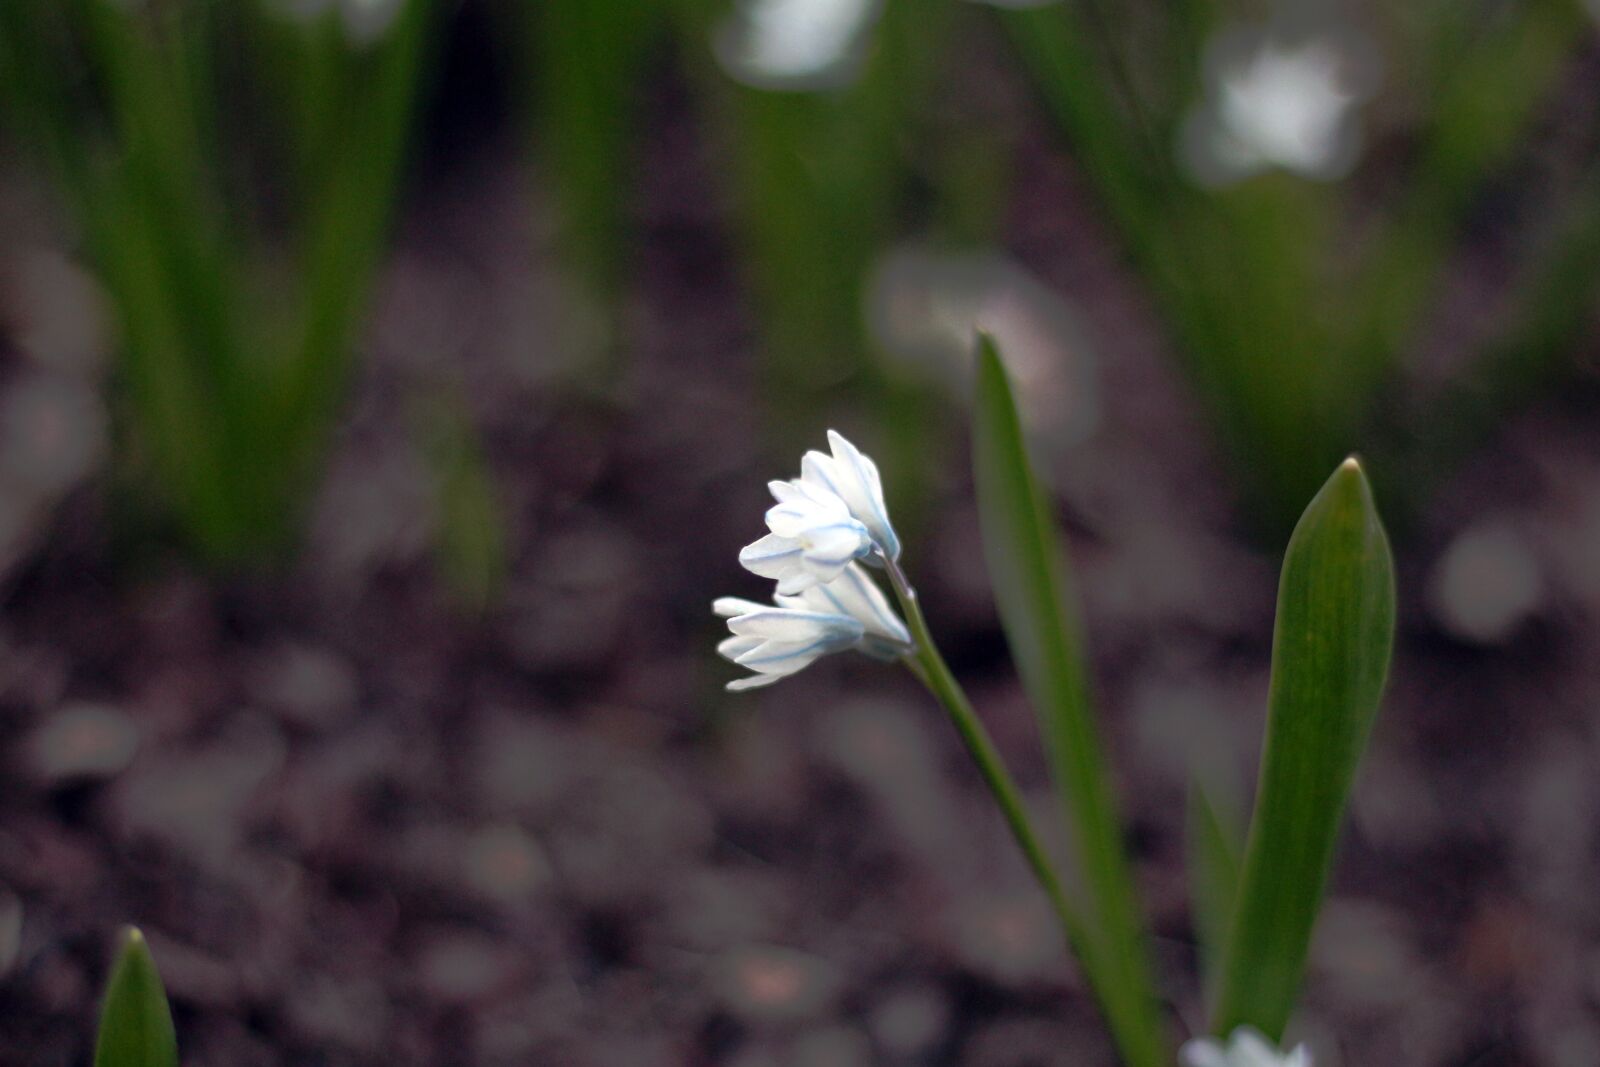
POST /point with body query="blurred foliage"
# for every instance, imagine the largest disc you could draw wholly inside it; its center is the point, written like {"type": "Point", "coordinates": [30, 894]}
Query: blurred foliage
{"type": "Point", "coordinates": [232, 168]}
{"type": "Point", "coordinates": [1291, 337]}
{"type": "Point", "coordinates": [470, 533]}
{"type": "Point", "coordinates": [1294, 301]}
{"type": "Point", "coordinates": [586, 62]}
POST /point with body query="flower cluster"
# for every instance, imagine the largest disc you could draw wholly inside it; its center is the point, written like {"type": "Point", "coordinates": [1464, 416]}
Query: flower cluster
{"type": "Point", "coordinates": [823, 526]}
{"type": "Point", "coordinates": [1246, 1048]}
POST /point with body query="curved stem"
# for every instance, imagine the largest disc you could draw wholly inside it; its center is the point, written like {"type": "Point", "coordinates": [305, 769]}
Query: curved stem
{"type": "Point", "coordinates": [930, 668]}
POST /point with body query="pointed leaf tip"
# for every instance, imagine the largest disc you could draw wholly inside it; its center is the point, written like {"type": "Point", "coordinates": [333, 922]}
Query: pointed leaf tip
{"type": "Point", "coordinates": [135, 1021]}
{"type": "Point", "coordinates": [1330, 659]}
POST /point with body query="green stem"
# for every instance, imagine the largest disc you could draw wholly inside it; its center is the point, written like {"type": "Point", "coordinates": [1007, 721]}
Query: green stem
{"type": "Point", "coordinates": [930, 668]}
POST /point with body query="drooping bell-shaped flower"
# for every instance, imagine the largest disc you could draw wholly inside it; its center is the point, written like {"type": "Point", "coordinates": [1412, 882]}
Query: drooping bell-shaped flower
{"type": "Point", "coordinates": [1245, 1048]}
{"type": "Point", "coordinates": [855, 594]}
{"type": "Point", "coordinates": [852, 476]}
{"type": "Point", "coordinates": [776, 641]}
{"type": "Point", "coordinates": [814, 537]}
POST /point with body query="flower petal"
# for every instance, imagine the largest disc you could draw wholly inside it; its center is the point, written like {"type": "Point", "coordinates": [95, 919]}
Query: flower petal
{"type": "Point", "coordinates": [729, 606]}
{"type": "Point", "coordinates": [1202, 1052]}
{"type": "Point", "coordinates": [733, 647]}
{"type": "Point", "coordinates": [772, 556]}
{"type": "Point", "coordinates": [796, 582]}
{"type": "Point", "coordinates": [862, 489]}
{"type": "Point", "coordinates": [831, 547]}
{"type": "Point", "coordinates": [783, 491]}
{"type": "Point", "coordinates": [784, 657]}
{"type": "Point", "coordinates": [784, 624]}
{"type": "Point", "coordinates": [855, 594]}
{"type": "Point", "coordinates": [754, 681]}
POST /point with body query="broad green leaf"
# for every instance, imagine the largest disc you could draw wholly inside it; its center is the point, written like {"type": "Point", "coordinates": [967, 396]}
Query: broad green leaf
{"type": "Point", "coordinates": [1330, 656]}
{"type": "Point", "coordinates": [1216, 850]}
{"type": "Point", "coordinates": [1027, 565]}
{"type": "Point", "coordinates": [135, 1023]}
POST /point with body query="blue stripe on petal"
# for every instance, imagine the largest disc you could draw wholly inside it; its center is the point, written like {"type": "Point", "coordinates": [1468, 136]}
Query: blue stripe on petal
{"type": "Point", "coordinates": [763, 660]}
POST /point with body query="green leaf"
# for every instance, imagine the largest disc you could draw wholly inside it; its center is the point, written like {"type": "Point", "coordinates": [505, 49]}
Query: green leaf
{"type": "Point", "coordinates": [1027, 565]}
{"type": "Point", "coordinates": [135, 1023]}
{"type": "Point", "coordinates": [1216, 851]}
{"type": "Point", "coordinates": [1330, 656]}
{"type": "Point", "coordinates": [470, 534]}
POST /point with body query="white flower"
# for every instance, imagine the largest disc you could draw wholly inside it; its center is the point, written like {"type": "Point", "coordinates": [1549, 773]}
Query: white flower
{"type": "Point", "coordinates": [796, 44]}
{"type": "Point", "coordinates": [853, 477]}
{"type": "Point", "coordinates": [776, 641]}
{"type": "Point", "coordinates": [855, 594]}
{"type": "Point", "coordinates": [814, 537]}
{"type": "Point", "coordinates": [830, 515]}
{"type": "Point", "coordinates": [1278, 102]}
{"type": "Point", "coordinates": [1246, 1048]}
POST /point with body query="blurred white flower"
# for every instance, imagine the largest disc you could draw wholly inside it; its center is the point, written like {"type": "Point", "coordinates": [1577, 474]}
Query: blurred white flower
{"type": "Point", "coordinates": [1246, 1048]}
{"type": "Point", "coordinates": [924, 306]}
{"type": "Point", "coordinates": [1279, 102]}
{"type": "Point", "coordinates": [52, 432]}
{"type": "Point", "coordinates": [796, 44]}
{"type": "Point", "coordinates": [364, 21]}
{"type": "Point", "coordinates": [776, 641]}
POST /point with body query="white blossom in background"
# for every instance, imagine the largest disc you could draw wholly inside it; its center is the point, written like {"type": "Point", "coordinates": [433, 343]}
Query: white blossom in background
{"type": "Point", "coordinates": [1488, 582]}
{"type": "Point", "coordinates": [364, 21]}
{"type": "Point", "coordinates": [796, 44]}
{"type": "Point", "coordinates": [924, 306]}
{"type": "Point", "coordinates": [1246, 1048]}
{"type": "Point", "coordinates": [1279, 101]}
{"type": "Point", "coordinates": [53, 432]}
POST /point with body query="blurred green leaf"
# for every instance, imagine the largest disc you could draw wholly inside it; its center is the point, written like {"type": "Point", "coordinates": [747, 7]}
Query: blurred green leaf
{"type": "Point", "coordinates": [589, 71]}
{"type": "Point", "coordinates": [1330, 657]}
{"type": "Point", "coordinates": [1027, 565]}
{"type": "Point", "coordinates": [1489, 91]}
{"type": "Point", "coordinates": [1216, 851]}
{"type": "Point", "coordinates": [135, 1022]}
{"type": "Point", "coordinates": [471, 535]}
{"type": "Point", "coordinates": [233, 370]}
